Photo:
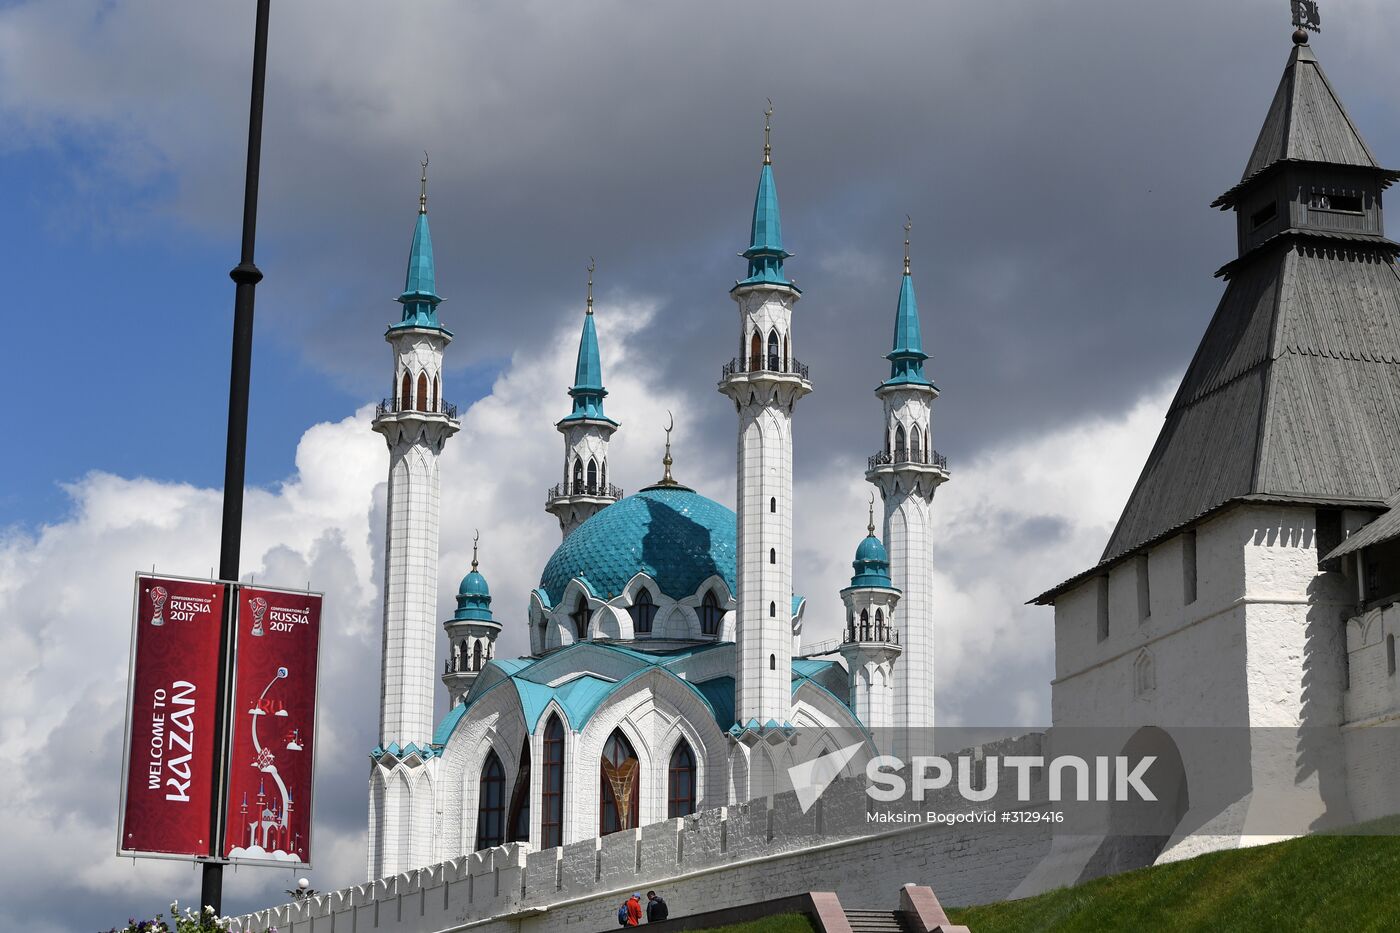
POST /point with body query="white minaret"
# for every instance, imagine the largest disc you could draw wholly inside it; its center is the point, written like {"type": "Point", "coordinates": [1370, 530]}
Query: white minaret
{"type": "Point", "coordinates": [415, 422]}
{"type": "Point", "coordinates": [908, 471]}
{"type": "Point", "coordinates": [870, 643]}
{"type": "Point", "coordinates": [587, 430]}
{"type": "Point", "coordinates": [471, 633]}
{"type": "Point", "coordinates": [765, 382]}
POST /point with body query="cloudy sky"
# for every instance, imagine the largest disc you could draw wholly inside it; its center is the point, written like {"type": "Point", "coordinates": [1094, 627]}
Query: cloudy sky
{"type": "Point", "coordinates": [1057, 160]}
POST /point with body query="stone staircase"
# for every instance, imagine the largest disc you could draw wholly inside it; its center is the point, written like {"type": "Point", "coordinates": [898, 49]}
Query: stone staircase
{"type": "Point", "coordinates": [877, 921]}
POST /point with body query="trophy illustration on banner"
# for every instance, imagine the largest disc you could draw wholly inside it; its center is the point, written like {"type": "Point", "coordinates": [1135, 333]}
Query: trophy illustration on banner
{"type": "Point", "coordinates": [158, 596]}
{"type": "Point", "coordinates": [259, 607]}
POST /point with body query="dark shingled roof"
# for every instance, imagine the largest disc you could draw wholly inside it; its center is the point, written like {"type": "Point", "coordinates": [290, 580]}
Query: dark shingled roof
{"type": "Point", "coordinates": [1307, 121]}
{"type": "Point", "coordinates": [1294, 391]}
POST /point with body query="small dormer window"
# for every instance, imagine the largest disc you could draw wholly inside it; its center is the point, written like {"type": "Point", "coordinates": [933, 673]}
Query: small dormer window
{"type": "Point", "coordinates": [1348, 203]}
{"type": "Point", "coordinates": [1262, 216]}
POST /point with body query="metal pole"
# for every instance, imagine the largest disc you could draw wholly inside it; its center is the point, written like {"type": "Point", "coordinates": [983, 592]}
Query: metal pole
{"type": "Point", "coordinates": [246, 276]}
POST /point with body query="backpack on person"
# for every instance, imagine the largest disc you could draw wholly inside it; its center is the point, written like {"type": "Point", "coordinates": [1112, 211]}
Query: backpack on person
{"type": "Point", "coordinates": [622, 915]}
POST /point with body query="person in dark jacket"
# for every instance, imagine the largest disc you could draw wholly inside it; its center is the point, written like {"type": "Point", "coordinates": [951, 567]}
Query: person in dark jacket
{"type": "Point", "coordinates": [656, 907]}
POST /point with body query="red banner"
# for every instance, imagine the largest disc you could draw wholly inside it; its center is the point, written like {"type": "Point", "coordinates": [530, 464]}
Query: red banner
{"type": "Point", "coordinates": [274, 720]}
{"type": "Point", "coordinates": [169, 779]}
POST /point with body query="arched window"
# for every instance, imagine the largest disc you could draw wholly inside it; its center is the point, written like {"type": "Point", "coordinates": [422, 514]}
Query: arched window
{"type": "Point", "coordinates": [552, 791]}
{"type": "Point", "coordinates": [772, 610]}
{"type": "Point", "coordinates": [680, 786]}
{"type": "Point", "coordinates": [619, 791]}
{"type": "Point", "coordinates": [864, 625]}
{"type": "Point", "coordinates": [899, 453]}
{"type": "Point", "coordinates": [710, 614]}
{"type": "Point", "coordinates": [580, 617]}
{"type": "Point", "coordinates": [880, 624]}
{"type": "Point", "coordinates": [422, 391]}
{"type": "Point", "coordinates": [518, 829]}
{"type": "Point", "coordinates": [592, 477]}
{"type": "Point", "coordinates": [406, 394]}
{"type": "Point", "coordinates": [916, 446]}
{"type": "Point", "coordinates": [774, 361]}
{"type": "Point", "coordinates": [755, 353]}
{"type": "Point", "coordinates": [476, 656]}
{"type": "Point", "coordinates": [578, 477]}
{"type": "Point", "coordinates": [772, 555]}
{"type": "Point", "coordinates": [643, 611]}
{"type": "Point", "coordinates": [436, 407]}
{"type": "Point", "coordinates": [491, 804]}
{"type": "Point", "coordinates": [603, 477]}
{"type": "Point", "coordinates": [773, 504]}
{"type": "Point", "coordinates": [772, 662]}
{"type": "Point", "coordinates": [787, 360]}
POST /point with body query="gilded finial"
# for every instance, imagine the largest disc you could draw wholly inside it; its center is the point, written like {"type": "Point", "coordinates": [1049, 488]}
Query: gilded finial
{"type": "Point", "coordinates": [475, 540]}
{"type": "Point", "coordinates": [667, 479]}
{"type": "Point", "coordinates": [870, 528]}
{"type": "Point", "coordinates": [908, 225]}
{"type": "Point", "coordinates": [767, 131]}
{"type": "Point", "coordinates": [591, 266]}
{"type": "Point", "coordinates": [423, 185]}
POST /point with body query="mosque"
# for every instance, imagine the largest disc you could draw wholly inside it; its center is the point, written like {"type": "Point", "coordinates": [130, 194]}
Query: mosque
{"type": "Point", "coordinates": [665, 672]}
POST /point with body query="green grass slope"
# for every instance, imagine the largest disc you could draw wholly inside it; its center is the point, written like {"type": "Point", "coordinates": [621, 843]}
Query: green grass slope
{"type": "Point", "coordinates": [1311, 883]}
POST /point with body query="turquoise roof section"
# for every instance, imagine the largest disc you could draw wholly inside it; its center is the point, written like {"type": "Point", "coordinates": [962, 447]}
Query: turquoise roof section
{"type": "Point", "coordinates": [872, 564]}
{"type": "Point", "coordinates": [907, 356]}
{"type": "Point", "coordinates": [674, 535]}
{"type": "Point", "coordinates": [420, 298]}
{"type": "Point", "coordinates": [473, 599]}
{"type": "Point", "coordinates": [765, 253]}
{"type": "Point", "coordinates": [588, 392]}
{"type": "Point", "coordinates": [719, 693]}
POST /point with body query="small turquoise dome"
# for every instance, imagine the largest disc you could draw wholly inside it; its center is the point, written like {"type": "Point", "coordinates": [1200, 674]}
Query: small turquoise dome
{"type": "Point", "coordinates": [473, 584]}
{"type": "Point", "coordinates": [473, 597]}
{"type": "Point", "coordinates": [872, 564]}
{"type": "Point", "coordinates": [671, 533]}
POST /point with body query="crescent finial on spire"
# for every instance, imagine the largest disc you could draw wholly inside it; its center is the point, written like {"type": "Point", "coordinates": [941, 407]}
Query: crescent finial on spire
{"type": "Point", "coordinates": [476, 538]}
{"type": "Point", "coordinates": [667, 479]}
{"type": "Point", "coordinates": [423, 185]}
{"type": "Point", "coordinates": [591, 266]}
{"type": "Point", "coordinates": [908, 225]}
{"type": "Point", "coordinates": [767, 131]}
{"type": "Point", "coordinates": [870, 527]}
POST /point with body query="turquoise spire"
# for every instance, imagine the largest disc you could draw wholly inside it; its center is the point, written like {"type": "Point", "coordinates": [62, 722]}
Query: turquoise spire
{"type": "Point", "coordinates": [588, 392]}
{"type": "Point", "coordinates": [872, 563]}
{"type": "Point", "coordinates": [907, 356]}
{"type": "Point", "coordinates": [765, 253]}
{"type": "Point", "coordinates": [473, 596]}
{"type": "Point", "coordinates": [420, 298]}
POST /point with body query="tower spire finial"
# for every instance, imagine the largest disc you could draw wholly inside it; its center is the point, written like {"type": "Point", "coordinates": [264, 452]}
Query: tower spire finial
{"type": "Point", "coordinates": [870, 525]}
{"type": "Point", "coordinates": [423, 185]}
{"type": "Point", "coordinates": [1306, 18]}
{"type": "Point", "coordinates": [908, 225]}
{"type": "Point", "coordinates": [767, 134]}
{"type": "Point", "coordinates": [667, 479]}
{"type": "Point", "coordinates": [591, 266]}
{"type": "Point", "coordinates": [476, 538]}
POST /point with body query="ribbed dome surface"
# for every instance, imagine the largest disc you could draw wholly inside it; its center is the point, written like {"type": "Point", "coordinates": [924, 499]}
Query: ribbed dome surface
{"type": "Point", "coordinates": [675, 535]}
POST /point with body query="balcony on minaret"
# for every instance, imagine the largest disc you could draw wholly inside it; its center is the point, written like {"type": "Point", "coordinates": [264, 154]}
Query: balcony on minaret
{"type": "Point", "coordinates": [867, 632]}
{"type": "Point", "coordinates": [394, 407]}
{"type": "Point", "coordinates": [569, 492]}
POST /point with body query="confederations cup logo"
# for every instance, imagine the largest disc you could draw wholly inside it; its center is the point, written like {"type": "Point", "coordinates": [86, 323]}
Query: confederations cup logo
{"type": "Point", "coordinates": [158, 596]}
{"type": "Point", "coordinates": [259, 607]}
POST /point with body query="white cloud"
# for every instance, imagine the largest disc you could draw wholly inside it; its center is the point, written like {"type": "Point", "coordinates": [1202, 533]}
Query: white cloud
{"type": "Point", "coordinates": [65, 590]}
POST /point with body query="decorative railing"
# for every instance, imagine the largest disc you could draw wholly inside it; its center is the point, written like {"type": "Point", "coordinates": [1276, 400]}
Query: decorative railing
{"type": "Point", "coordinates": [877, 632]}
{"type": "Point", "coordinates": [769, 364]}
{"type": "Point", "coordinates": [908, 456]}
{"type": "Point", "coordinates": [559, 490]}
{"type": "Point", "coordinates": [394, 406]}
{"type": "Point", "coordinates": [462, 666]}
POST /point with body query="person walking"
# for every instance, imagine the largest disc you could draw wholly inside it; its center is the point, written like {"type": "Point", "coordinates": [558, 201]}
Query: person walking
{"type": "Point", "coordinates": [634, 910]}
{"type": "Point", "coordinates": [656, 907]}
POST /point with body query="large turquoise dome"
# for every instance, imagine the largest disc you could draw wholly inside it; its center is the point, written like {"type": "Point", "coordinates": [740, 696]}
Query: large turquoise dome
{"type": "Point", "coordinates": [671, 533]}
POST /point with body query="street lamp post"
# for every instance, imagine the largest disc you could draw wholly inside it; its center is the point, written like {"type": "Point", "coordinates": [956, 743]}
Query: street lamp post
{"type": "Point", "coordinates": [246, 276]}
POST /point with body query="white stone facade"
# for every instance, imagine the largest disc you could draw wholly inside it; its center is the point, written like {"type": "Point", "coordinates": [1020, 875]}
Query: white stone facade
{"type": "Point", "coordinates": [764, 390]}
{"type": "Point", "coordinates": [907, 480]}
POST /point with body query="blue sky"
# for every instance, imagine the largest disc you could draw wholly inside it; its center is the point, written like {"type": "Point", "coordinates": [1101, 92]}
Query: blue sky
{"type": "Point", "coordinates": [1057, 159]}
